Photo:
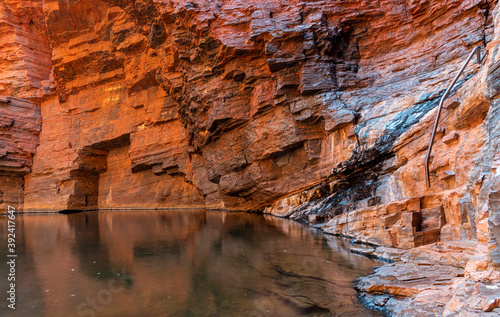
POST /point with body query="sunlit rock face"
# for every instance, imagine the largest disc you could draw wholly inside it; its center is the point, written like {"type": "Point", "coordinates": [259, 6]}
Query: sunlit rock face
{"type": "Point", "coordinates": [320, 111]}
{"type": "Point", "coordinates": [25, 68]}
{"type": "Point", "coordinates": [25, 65]}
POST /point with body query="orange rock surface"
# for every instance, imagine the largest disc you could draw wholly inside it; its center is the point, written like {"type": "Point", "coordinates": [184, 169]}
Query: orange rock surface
{"type": "Point", "coordinates": [20, 124]}
{"type": "Point", "coordinates": [318, 111]}
{"type": "Point", "coordinates": [241, 104]}
{"type": "Point", "coordinates": [25, 68]}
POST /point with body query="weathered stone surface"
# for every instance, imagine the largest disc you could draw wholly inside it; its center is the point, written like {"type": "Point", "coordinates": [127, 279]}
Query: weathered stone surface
{"type": "Point", "coordinates": [25, 67]}
{"type": "Point", "coordinates": [25, 70]}
{"type": "Point", "coordinates": [460, 254]}
{"type": "Point", "coordinates": [317, 111]}
{"type": "Point", "coordinates": [272, 96]}
{"type": "Point", "coordinates": [11, 191]}
{"type": "Point", "coordinates": [20, 124]}
{"type": "Point", "coordinates": [402, 224]}
{"type": "Point", "coordinates": [407, 280]}
{"type": "Point", "coordinates": [368, 195]}
{"type": "Point", "coordinates": [121, 188]}
{"type": "Point", "coordinates": [443, 279]}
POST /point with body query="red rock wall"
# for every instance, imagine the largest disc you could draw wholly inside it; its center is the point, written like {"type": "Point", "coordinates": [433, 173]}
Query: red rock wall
{"type": "Point", "coordinates": [24, 46]}
{"type": "Point", "coordinates": [108, 100]}
{"type": "Point", "coordinates": [315, 110]}
{"type": "Point", "coordinates": [20, 125]}
{"type": "Point", "coordinates": [488, 189]}
{"type": "Point", "coordinates": [120, 188]}
{"type": "Point", "coordinates": [25, 69]}
{"type": "Point", "coordinates": [247, 102]}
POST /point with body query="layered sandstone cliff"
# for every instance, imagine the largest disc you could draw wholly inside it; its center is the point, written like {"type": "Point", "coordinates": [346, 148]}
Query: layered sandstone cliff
{"type": "Point", "coordinates": [25, 68]}
{"type": "Point", "coordinates": [319, 111]}
{"type": "Point", "coordinates": [237, 104]}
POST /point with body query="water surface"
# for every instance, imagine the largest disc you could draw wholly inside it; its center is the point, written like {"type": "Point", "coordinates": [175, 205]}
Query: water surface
{"type": "Point", "coordinates": [178, 263]}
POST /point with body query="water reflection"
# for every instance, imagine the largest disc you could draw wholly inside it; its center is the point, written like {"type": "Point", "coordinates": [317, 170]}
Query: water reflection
{"type": "Point", "coordinates": [179, 263]}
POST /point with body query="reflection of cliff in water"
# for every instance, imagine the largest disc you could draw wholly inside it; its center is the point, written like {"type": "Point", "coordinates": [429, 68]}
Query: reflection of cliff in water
{"type": "Point", "coordinates": [183, 263]}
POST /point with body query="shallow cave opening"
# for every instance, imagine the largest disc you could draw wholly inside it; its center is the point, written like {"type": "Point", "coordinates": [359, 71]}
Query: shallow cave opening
{"type": "Point", "coordinates": [91, 162]}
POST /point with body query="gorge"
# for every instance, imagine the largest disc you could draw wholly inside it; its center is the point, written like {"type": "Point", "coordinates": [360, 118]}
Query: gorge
{"type": "Point", "coordinates": [317, 111]}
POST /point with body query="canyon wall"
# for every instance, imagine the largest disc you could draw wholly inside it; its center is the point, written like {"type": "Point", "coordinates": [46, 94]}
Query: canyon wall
{"type": "Point", "coordinates": [25, 70]}
{"type": "Point", "coordinates": [319, 111]}
{"type": "Point", "coordinates": [20, 124]}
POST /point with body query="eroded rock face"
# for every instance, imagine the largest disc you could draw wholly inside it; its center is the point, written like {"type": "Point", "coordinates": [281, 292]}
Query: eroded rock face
{"type": "Point", "coordinates": [317, 111]}
{"type": "Point", "coordinates": [247, 102]}
{"type": "Point", "coordinates": [441, 279]}
{"type": "Point", "coordinates": [25, 70]}
{"type": "Point", "coordinates": [20, 124]}
{"type": "Point", "coordinates": [377, 193]}
{"type": "Point", "coordinates": [239, 104]}
{"type": "Point", "coordinates": [26, 61]}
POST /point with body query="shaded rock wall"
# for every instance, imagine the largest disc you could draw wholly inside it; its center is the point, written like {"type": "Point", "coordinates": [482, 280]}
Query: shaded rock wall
{"type": "Point", "coordinates": [20, 124]}
{"type": "Point", "coordinates": [394, 208]}
{"type": "Point", "coordinates": [319, 111]}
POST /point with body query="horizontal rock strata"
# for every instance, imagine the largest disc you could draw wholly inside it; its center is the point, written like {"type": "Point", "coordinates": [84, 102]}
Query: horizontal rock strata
{"type": "Point", "coordinates": [20, 125]}
{"type": "Point", "coordinates": [320, 111]}
{"type": "Point", "coordinates": [245, 103]}
{"type": "Point", "coordinates": [443, 279]}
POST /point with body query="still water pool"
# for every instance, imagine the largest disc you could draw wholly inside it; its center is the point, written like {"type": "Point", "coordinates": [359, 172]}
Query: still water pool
{"type": "Point", "coordinates": [178, 263]}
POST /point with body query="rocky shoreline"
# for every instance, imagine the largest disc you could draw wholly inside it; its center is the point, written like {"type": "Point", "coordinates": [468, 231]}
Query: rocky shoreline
{"type": "Point", "coordinates": [441, 279]}
{"type": "Point", "coordinates": [445, 278]}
